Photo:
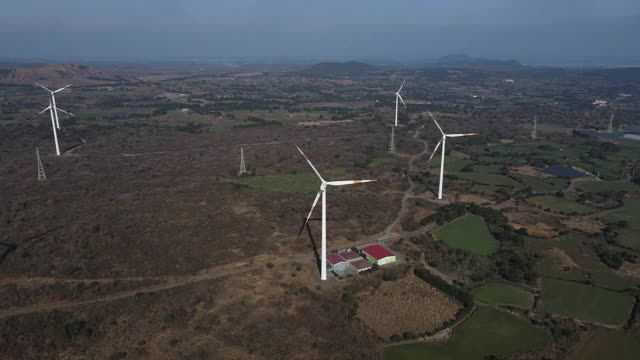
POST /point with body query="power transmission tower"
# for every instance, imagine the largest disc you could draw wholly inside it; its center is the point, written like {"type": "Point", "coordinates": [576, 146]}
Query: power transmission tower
{"type": "Point", "coordinates": [41, 175]}
{"type": "Point", "coordinates": [610, 129]}
{"type": "Point", "coordinates": [243, 168]}
{"type": "Point", "coordinates": [535, 125]}
{"type": "Point", "coordinates": [392, 144]}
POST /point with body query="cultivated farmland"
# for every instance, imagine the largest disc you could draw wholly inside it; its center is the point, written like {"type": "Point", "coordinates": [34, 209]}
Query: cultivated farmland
{"type": "Point", "coordinates": [468, 232]}
{"type": "Point", "coordinates": [499, 294]}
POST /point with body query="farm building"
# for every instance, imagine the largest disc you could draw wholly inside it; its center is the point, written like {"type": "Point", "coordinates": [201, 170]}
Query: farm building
{"type": "Point", "coordinates": [379, 255]}
{"type": "Point", "coordinates": [351, 256]}
{"type": "Point", "coordinates": [360, 265]}
{"type": "Point", "coordinates": [337, 263]}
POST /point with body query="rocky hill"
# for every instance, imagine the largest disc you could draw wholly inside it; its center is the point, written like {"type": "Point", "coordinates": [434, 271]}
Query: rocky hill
{"type": "Point", "coordinates": [58, 75]}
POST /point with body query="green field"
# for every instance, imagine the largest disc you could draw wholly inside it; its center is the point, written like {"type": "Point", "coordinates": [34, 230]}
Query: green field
{"type": "Point", "coordinates": [584, 302]}
{"type": "Point", "coordinates": [499, 294]}
{"type": "Point", "coordinates": [600, 186]}
{"type": "Point", "coordinates": [381, 160]}
{"type": "Point", "coordinates": [487, 331]}
{"type": "Point", "coordinates": [490, 179]}
{"type": "Point", "coordinates": [450, 163]}
{"type": "Point", "coordinates": [542, 185]}
{"type": "Point", "coordinates": [307, 182]}
{"type": "Point", "coordinates": [608, 344]}
{"type": "Point", "coordinates": [559, 205]}
{"type": "Point", "coordinates": [468, 232]}
{"type": "Point", "coordinates": [629, 236]}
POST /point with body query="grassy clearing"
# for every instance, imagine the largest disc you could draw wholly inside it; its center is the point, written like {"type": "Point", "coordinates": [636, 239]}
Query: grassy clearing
{"type": "Point", "coordinates": [584, 302]}
{"type": "Point", "coordinates": [381, 160]}
{"type": "Point", "coordinates": [542, 185]}
{"type": "Point", "coordinates": [490, 179]}
{"type": "Point", "coordinates": [468, 232]}
{"type": "Point", "coordinates": [499, 294]}
{"type": "Point", "coordinates": [560, 205]}
{"type": "Point", "coordinates": [487, 331]}
{"type": "Point", "coordinates": [629, 236]}
{"type": "Point", "coordinates": [450, 163]}
{"type": "Point", "coordinates": [602, 186]}
{"type": "Point", "coordinates": [608, 344]}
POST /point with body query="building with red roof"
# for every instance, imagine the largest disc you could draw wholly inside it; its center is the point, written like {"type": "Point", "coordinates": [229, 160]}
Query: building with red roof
{"type": "Point", "coordinates": [360, 265]}
{"type": "Point", "coordinates": [378, 254]}
{"type": "Point", "coordinates": [350, 256]}
{"type": "Point", "coordinates": [336, 262]}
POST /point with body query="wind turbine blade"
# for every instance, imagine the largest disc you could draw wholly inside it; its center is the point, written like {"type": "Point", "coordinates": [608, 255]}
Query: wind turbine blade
{"type": "Point", "coordinates": [405, 105]}
{"type": "Point", "coordinates": [309, 161]}
{"type": "Point", "coordinates": [434, 150]}
{"type": "Point", "coordinates": [310, 212]}
{"type": "Point", "coordinates": [434, 120]}
{"type": "Point", "coordinates": [43, 87]}
{"type": "Point", "coordinates": [66, 112]}
{"type": "Point", "coordinates": [461, 135]}
{"type": "Point", "coordinates": [61, 89]}
{"type": "Point", "coordinates": [348, 182]}
{"type": "Point", "coordinates": [45, 109]}
{"type": "Point", "coordinates": [401, 86]}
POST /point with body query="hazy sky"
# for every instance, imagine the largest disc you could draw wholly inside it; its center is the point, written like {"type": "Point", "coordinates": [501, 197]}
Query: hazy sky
{"type": "Point", "coordinates": [534, 31]}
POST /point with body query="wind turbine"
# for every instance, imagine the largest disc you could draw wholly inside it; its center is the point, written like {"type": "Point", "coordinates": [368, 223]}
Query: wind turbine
{"type": "Point", "coordinates": [54, 114]}
{"type": "Point", "coordinates": [443, 141]}
{"type": "Point", "coordinates": [52, 102]}
{"type": "Point", "coordinates": [323, 192]}
{"type": "Point", "coordinates": [398, 97]}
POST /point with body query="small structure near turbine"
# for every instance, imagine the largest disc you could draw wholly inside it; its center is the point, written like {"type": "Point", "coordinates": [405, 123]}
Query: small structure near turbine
{"type": "Point", "coordinates": [443, 141]}
{"type": "Point", "coordinates": [323, 192]}
{"type": "Point", "coordinates": [243, 168]}
{"type": "Point", "coordinates": [53, 111]}
{"type": "Point", "coordinates": [41, 175]}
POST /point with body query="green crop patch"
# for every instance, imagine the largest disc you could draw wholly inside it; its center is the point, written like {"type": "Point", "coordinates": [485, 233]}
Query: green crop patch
{"type": "Point", "coordinates": [605, 186]}
{"type": "Point", "coordinates": [490, 179]}
{"type": "Point", "coordinates": [629, 235]}
{"type": "Point", "coordinates": [468, 232]}
{"type": "Point", "coordinates": [451, 163]}
{"type": "Point", "coordinates": [584, 302]}
{"type": "Point", "coordinates": [542, 185]}
{"type": "Point", "coordinates": [499, 294]}
{"type": "Point", "coordinates": [560, 205]}
{"type": "Point", "coordinates": [487, 331]}
{"type": "Point", "coordinates": [607, 344]}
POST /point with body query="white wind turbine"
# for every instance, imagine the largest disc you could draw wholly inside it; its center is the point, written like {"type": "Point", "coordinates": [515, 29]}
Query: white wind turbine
{"type": "Point", "coordinates": [323, 192]}
{"type": "Point", "coordinates": [443, 141]}
{"type": "Point", "coordinates": [398, 97]}
{"type": "Point", "coordinates": [53, 110]}
{"type": "Point", "coordinates": [52, 102]}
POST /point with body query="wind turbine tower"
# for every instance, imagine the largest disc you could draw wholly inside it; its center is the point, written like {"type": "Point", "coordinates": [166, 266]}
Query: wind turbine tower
{"type": "Point", "coordinates": [323, 192]}
{"type": "Point", "coordinates": [392, 144]}
{"type": "Point", "coordinates": [610, 129]}
{"type": "Point", "coordinates": [41, 175]}
{"type": "Point", "coordinates": [443, 141]}
{"type": "Point", "coordinates": [53, 111]}
{"type": "Point", "coordinates": [535, 126]}
{"type": "Point", "coordinates": [243, 168]}
{"type": "Point", "coordinates": [399, 98]}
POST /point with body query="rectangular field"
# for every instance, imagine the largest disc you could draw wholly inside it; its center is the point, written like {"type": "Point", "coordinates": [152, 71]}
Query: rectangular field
{"type": "Point", "coordinates": [584, 302]}
{"type": "Point", "coordinates": [468, 232]}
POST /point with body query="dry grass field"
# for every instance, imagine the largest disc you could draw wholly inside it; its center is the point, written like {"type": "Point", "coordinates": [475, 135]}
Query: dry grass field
{"type": "Point", "coordinates": [408, 304]}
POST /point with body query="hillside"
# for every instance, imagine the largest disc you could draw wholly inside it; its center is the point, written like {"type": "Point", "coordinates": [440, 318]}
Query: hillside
{"type": "Point", "coordinates": [465, 60]}
{"type": "Point", "coordinates": [58, 75]}
{"type": "Point", "coordinates": [340, 68]}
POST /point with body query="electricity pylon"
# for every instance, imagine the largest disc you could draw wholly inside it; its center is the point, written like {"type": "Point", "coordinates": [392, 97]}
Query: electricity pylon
{"type": "Point", "coordinates": [392, 144]}
{"type": "Point", "coordinates": [243, 168]}
{"type": "Point", "coordinates": [535, 125]}
{"type": "Point", "coordinates": [41, 175]}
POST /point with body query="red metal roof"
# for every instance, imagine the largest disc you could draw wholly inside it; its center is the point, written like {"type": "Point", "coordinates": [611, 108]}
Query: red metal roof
{"type": "Point", "coordinates": [377, 251]}
{"type": "Point", "coordinates": [362, 265]}
{"type": "Point", "coordinates": [350, 255]}
{"type": "Point", "coordinates": [334, 259]}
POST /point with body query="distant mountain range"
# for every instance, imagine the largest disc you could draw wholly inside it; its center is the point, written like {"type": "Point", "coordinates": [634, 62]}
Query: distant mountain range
{"type": "Point", "coordinates": [340, 68]}
{"type": "Point", "coordinates": [58, 75]}
{"type": "Point", "coordinates": [465, 60]}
